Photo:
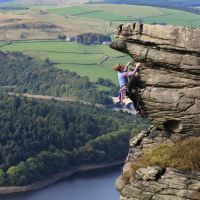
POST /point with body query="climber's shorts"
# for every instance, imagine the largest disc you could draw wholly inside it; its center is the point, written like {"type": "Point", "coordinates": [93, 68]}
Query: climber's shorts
{"type": "Point", "coordinates": [122, 93]}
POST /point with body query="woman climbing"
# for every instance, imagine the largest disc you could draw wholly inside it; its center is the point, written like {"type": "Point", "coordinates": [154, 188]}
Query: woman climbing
{"type": "Point", "coordinates": [126, 87]}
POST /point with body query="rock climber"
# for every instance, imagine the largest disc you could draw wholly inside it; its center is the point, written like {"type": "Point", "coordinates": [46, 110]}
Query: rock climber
{"type": "Point", "coordinates": [127, 87]}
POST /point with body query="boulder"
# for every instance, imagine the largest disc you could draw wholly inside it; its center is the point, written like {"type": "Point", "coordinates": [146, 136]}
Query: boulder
{"type": "Point", "coordinates": [149, 173]}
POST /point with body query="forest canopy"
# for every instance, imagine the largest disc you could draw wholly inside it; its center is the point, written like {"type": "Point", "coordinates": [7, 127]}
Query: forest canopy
{"type": "Point", "coordinates": [39, 138]}
{"type": "Point", "coordinates": [27, 75]}
{"type": "Point", "coordinates": [92, 38]}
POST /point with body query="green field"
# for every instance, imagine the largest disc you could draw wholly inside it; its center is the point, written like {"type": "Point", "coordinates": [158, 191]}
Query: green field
{"type": "Point", "coordinates": [130, 13]}
{"type": "Point", "coordinates": [2, 43]}
{"type": "Point", "coordinates": [85, 60]}
{"type": "Point", "coordinates": [97, 61]}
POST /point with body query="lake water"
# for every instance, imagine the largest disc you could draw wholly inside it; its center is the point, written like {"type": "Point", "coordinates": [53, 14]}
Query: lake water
{"type": "Point", "coordinates": [87, 186]}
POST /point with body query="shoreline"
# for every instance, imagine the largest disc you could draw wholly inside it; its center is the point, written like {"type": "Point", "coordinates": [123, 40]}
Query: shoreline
{"type": "Point", "coordinates": [55, 178]}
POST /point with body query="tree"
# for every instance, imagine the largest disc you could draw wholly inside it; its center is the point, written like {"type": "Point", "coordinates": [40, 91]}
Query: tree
{"type": "Point", "coordinates": [62, 37]}
{"type": "Point", "coordinates": [17, 174]}
{"type": "Point", "coordinates": [29, 75]}
{"type": "Point", "coordinates": [2, 177]}
{"type": "Point", "coordinates": [39, 138]}
{"type": "Point", "coordinates": [92, 38]}
{"type": "Point", "coordinates": [12, 175]}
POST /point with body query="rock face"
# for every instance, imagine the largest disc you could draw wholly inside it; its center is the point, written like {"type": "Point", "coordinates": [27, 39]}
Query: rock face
{"type": "Point", "coordinates": [170, 79]}
{"type": "Point", "coordinates": [170, 75]}
{"type": "Point", "coordinates": [173, 185]}
{"type": "Point", "coordinates": [155, 183]}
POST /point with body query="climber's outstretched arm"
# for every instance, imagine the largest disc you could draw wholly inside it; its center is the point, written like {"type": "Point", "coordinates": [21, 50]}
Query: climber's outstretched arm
{"type": "Point", "coordinates": [126, 68]}
{"type": "Point", "coordinates": [127, 74]}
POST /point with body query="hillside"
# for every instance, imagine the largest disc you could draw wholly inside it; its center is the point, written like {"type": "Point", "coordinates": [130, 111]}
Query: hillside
{"type": "Point", "coordinates": [185, 5]}
{"type": "Point", "coordinates": [46, 2]}
{"type": "Point", "coordinates": [130, 13]}
{"type": "Point", "coordinates": [23, 74]}
{"type": "Point", "coordinates": [40, 138]}
{"type": "Point", "coordinates": [40, 24]}
{"type": "Point", "coordinates": [47, 22]}
{"type": "Point", "coordinates": [93, 61]}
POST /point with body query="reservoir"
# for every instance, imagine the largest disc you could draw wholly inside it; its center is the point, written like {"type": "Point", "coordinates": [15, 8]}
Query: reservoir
{"type": "Point", "coordinates": [96, 185]}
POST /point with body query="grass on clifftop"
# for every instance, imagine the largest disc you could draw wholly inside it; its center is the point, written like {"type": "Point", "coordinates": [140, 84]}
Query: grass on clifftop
{"type": "Point", "coordinates": [183, 155]}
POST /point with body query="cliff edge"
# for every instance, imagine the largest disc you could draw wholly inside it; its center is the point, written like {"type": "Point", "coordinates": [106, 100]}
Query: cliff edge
{"type": "Point", "coordinates": [170, 79]}
{"type": "Point", "coordinates": [171, 73]}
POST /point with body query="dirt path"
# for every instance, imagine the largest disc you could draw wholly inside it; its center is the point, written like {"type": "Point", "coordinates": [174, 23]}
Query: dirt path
{"type": "Point", "coordinates": [112, 107]}
{"type": "Point", "coordinates": [63, 99]}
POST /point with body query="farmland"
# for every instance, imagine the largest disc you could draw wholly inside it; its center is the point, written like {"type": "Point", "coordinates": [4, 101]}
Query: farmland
{"type": "Point", "coordinates": [147, 14]}
{"type": "Point", "coordinates": [92, 61]}
{"type": "Point", "coordinates": [47, 22]}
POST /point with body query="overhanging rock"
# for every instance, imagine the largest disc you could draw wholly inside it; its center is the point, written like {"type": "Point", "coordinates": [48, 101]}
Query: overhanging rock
{"type": "Point", "coordinates": [171, 73]}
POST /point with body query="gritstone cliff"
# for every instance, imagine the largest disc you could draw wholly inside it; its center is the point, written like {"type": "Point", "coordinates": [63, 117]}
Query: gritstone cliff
{"type": "Point", "coordinates": [171, 100]}
{"type": "Point", "coordinates": [171, 73]}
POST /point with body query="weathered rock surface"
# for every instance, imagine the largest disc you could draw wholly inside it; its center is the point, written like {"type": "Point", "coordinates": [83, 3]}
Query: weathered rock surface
{"type": "Point", "coordinates": [155, 183]}
{"type": "Point", "coordinates": [171, 73]}
{"type": "Point", "coordinates": [149, 173]}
